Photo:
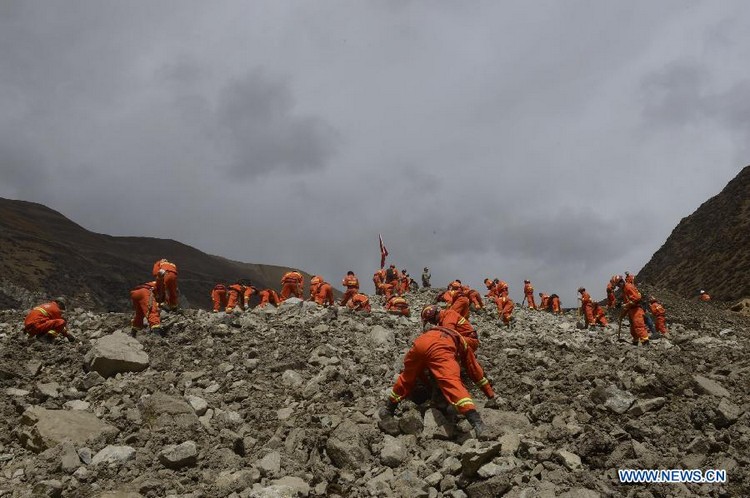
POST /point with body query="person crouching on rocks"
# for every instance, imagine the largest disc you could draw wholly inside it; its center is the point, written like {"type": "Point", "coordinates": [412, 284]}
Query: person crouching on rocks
{"type": "Point", "coordinates": [443, 351]}
{"type": "Point", "coordinates": [46, 321]}
{"type": "Point", "coordinates": [145, 306]}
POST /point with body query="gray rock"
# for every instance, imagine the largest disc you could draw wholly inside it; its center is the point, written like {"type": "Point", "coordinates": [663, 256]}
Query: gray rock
{"type": "Point", "coordinates": [49, 390]}
{"type": "Point", "coordinates": [380, 336]}
{"type": "Point", "coordinates": [506, 421]}
{"type": "Point", "coordinates": [297, 486]}
{"type": "Point", "coordinates": [12, 391]}
{"type": "Point", "coordinates": [408, 483]}
{"type": "Point", "coordinates": [179, 456]}
{"type": "Point", "coordinates": [228, 482]}
{"type": "Point", "coordinates": [642, 406]}
{"type": "Point", "coordinates": [284, 413]}
{"type": "Point", "coordinates": [474, 457]}
{"type": "Point", "coordinates": [571, 461]}
{"type": "Point", "coordinates": [198, 404]}
{"type": "Point", "coordinates": [69, 461]}
{"type": "Point", "coordinates": [48, 489]}
{"type": "Point", "coordinates": [41, 428]}
{"type": "Point", "coordinates": [491, 488]}
{"type": "Point", "coordinates": [292, 378]}
{"type": "Point", "coordinates": [393, 453]}
{"type": "Point", "coordinates": [707, 386]}
{"type": "Point", "coordinates": [411, 422]}
{"type": "Point", "coordinates": [613, 398]}
{"type": "Point", "coordinates": [77, 404]}
{"type": "Point", "coordinates": [727, 413]}
{"type": "Point", "coordinates": [270, 464]}
{"type": "Point", "coordinates": [345, 455]}
{"type": "Point", "coordinates": [510, 443]}
{"type": "Point", "coordinates": [90, 380]}
{"type": "Point", "coordinates": [116, 353]}
{"type": "Point", "coordinates": [437, 426]}
{"type": "Point", "coordinates": [161, 411]}
{"type": "Point", "coordinates": [114, 455]}
{"type": "Point", "coordinates": [380, 485]}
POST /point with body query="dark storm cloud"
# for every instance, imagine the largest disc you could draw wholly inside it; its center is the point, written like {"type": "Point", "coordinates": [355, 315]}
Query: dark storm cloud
{"type": "Point", "coordinates": [256, 115]}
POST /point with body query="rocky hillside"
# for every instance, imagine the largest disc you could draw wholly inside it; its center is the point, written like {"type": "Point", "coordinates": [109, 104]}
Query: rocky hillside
{"type": "Point", "coordinates": [710, 249]}
{"type": "Point", "coordinates": [41, 249]}
{"type": "Point", "coordinates": [283, 402]}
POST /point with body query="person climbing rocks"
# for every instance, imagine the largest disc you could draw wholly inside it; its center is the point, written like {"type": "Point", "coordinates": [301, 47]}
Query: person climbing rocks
{"type": "Point", "coordinates": [47, 322]}
{"type": "Point", "coordinates": [528, 292]}
{"type": "Point", "coordinates": [631, 306]}
{"type": "Point", "coordinates": [145, 306]}
{"type": "Point", "coordinates": [351, 283]}
{"type": "Point", "coordinates": [660, 315]}
{"type": "Point", "coordinates": [453, 320]}
{"type": "Point", "coordinates": [219, 297]}
{"type": "Point", "coordinates": [324, 294]}
{"type": "Point", "coordinates": [426, 276]}
{"type": "Point", "coordinates": [315, 282]}
{"type": "Point", "coordinates": [247, 293]}
{"type": "Point", "coordinates": [611, 301]}
{"type": "Point", "coordinates": [166, 293]}
{"type": "Point", "coordinates": [398, 305]}
{"type": "Point", "coordinates": [587, 307]}
{"type": "Point", "coordinates": [505, 307]}
{"type": "Point", "coordinates": [291, 285]}
{"type": "Point", "coordinates": [600, 317]}
{"type": "Point", "coordinates": [544, 301]}
{"type": "Point", "coordinates": [235, 296]}
{"type": "Point", "coordinates": [703, 296]}
{"type": "Point", "coordinates": [554, 304]}
{"type": "Point", "coordinates": [443, 352]}
{"type": "Point", "coordinates": [268, 296]}
{"type": "Point", "coordinates": [378, 279]}
{"type": "Point", "coordinates": [360, 302]}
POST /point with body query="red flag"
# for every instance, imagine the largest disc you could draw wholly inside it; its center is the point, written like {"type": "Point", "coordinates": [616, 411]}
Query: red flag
{"type": "Point", "coordinates": [383, 251]}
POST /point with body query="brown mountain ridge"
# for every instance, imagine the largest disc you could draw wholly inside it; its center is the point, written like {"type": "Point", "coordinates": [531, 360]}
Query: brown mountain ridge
{"type": "Point", "coordinates": [710, 249]}
{"type": "Point", "coordinates": [42, 250]}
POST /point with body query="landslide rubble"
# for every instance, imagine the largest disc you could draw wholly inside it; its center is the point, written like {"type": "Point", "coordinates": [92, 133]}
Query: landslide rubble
{"type": "Point", "coordinates": [283, 402]}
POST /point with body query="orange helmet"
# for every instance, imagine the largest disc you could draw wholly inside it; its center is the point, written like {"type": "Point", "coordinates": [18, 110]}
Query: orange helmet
{"type": "Point", "coordinates": [430, 313]}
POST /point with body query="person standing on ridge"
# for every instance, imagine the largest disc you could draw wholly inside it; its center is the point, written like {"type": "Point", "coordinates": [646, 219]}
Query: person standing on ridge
{"type": "Point", "coordinates": [351, 283]}
{"type": "Point", "coordinates": [528, 292]}
{"type": "Point", "coordinates": [631, 306]}
{"type": "Point", "coordinates": [611, 301]}
{"type": "Point", "coordinates": [587, 306]}
{"type": "Point", "coordinates": [426, 276]}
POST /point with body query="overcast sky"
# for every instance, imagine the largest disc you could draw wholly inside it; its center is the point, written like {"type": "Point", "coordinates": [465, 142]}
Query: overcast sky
{"type": "Point", "coordinates": [550, 140]}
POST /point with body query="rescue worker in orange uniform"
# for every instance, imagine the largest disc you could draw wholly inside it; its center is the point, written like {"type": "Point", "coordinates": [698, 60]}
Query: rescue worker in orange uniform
{"type": "Point", "coordinates": [236, 294]}
{"type": "Point", "coordinates": [391, 278]}
{"type": "Point", "coordinates": [600, 318]}
{"type": "Point", "coordinates": [165, 274]}
{"type": "Point", "coordinates": [268, 296]}
{"type": "Point", "coordinates": [528, 292]}
{"type": "Point", "coordinates": [704, 296]}
{"type": "Point", "coordinates": [359, 302]}
{"type": "Point", "coordinates": [505, 307]}
{"type": "Point", "coordinates": [443, 352]}
{"type": "Point", "coordinates": [404, 282]}
{"type": "Point", "coordinates": [502, 289]}
{"type": "Point", "coordinates": [587, 306]}
{"type": "Point", "coordinates": [554, 303]}
{"type": "Point", "coordinates": [378, 279]}
{"type": "Point", "coordinates": [324, 295]}
{"type": "Point", "coordinates": [351, 283]}
{"type": "Point", "coordinates": [631, 305]}
{"type": "Point", "coordinates": [453, 320]}
{"type": "Point", "coordinates": [247, 293]}
{"type": "Point", "coordinates": [460, 304]}
{"type": "Point", "coordinates": [660, 315]}
{"type": "Point", "coordinates": [611, 301]}
{"type": "Point", "coordinates": [145, 306]}
{"type": "Point", "coordinates": [544, 301]}
{"type": "Point", "coordinates": [315, 282]}
{"type": "Point", "coordinates": [492, 290]}
{"type": "Point", "coordinates": [46, 321]}
{"type": "Point", "coordinates": [291, 285]}
{"type": "Point", "coordinates": [397, 305]}
{"type": "Point", "coordinates": [219, 297]}
{"type": "Point", "coordinates": [475, 299]}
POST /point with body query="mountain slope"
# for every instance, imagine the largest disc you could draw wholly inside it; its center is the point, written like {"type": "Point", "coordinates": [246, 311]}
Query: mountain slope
{"type": "Point", "coordinates": [43, 250]}
{"type": "Point", "coordinates": [710, 249]}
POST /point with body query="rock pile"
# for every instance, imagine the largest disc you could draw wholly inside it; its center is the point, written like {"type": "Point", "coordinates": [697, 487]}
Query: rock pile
{"type": "Point", "coordinates": [283, 402]}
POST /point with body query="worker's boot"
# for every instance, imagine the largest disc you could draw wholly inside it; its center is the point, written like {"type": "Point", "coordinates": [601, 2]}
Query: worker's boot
{"type": "Point", "coordinates": [476, 422]}
{"type": "Point", "coordinates": [388, 409]}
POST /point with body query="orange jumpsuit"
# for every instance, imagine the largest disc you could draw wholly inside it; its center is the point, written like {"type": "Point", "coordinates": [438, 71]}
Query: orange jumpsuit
{"type": "Point", "coordinates": [631, 298]}
{"type": "Point", "coordinates": [378, 279]}
{"type": "Point", "coordinates": [491, 288]}
{"type": "Point", "coordinates": [359, 302]}
{"type": "Point", "coordinates": [291, 285]}
{"type": "Point", "coordinates": [219, 297]}
{"type": "Point", "coordinates": [502, 289]}
{"type": "Point", "coordinates": [325, 294]}
{"type": "Point", "coordinates": [600, 318]}
{"type": "Point", "coordinates": [475, 299]}
{"type": "Point", "coordinates": [460, 305]}
{"type": "Point", "coordinates": [443, 351]}
{"type": "Point", "coordinates": [588, 308]}
{"type": "Point", "coordinates": [315, 282]}
{"type": "Point", "coordinates": [236, 293]}
{"type": "Point", "coordinates": [351, 282]}
{"type": "Point", "coordinates": [610, 295]}
{"type": "Point", "coordinates": [145, 306]}
{"type": "Point", "coordinates": [268, 296]}
{"type": "Point", "coordinates": [528, 291]}
{"type": "Point", "coordinates": [45, 319]}
{"type": "Point", "coordinates": [386, 290]}
{"type": "Point", "coordinates": [166, 287]}
{"type": "Point", "coordinates": [505, 307]}
{"type": "Point", "coordinates": [404, 283]}
{"type": "Point", "coordinates": [397, 305]}
{"type": "Point", "coordinates": [660, 317]}
{"type": "Point", "coordinates": [453, 320]}
{"type": "Point", "coordinates": [705, 297]}
{"type": "Point", "coordinates": [555, 303]}
{"type": "Point", "coordinates": [544, 301]}
{"type": "Point", "coordinates": [447, 296]}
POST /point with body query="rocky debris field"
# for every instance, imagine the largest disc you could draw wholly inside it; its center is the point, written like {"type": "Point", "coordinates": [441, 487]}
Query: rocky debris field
{"type": "Point", "coordinates": [283, 402]}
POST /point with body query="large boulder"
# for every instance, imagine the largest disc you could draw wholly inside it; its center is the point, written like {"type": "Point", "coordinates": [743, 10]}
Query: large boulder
{"type": "Point", "coordinates": [116, 353]}
{"type": "Point", "coordinates": [41, 429]}
{"type": "Point", "coordinates": [178, 456]}
{"type": "Point", "coordinates": [159, 411]}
